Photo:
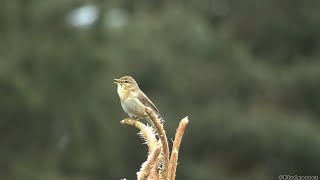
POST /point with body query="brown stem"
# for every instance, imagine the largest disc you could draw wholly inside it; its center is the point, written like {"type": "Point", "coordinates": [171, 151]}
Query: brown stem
{"type": "Point", "coordinates": [145, 132]}
{"type": "Point", "coordinates": [175, 149]}
{"type": "Point", "coordinates": [148, 166]}
{"type": "Point", "coordinates": [163, 139]}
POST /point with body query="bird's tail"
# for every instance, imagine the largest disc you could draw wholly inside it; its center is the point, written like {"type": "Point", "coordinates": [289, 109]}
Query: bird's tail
{"type": "Point", "coordinates": [160, 118]}
{"type": "Point", "coordinates": [154, 127]}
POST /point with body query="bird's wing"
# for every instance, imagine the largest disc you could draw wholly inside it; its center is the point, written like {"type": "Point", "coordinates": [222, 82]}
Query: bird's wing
{"type": "Point", "coordinates": [147, 102]}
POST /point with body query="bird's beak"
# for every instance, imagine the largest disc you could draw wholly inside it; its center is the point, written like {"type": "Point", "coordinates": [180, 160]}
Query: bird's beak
{"type": "Point", "coordinates": [117, 81]}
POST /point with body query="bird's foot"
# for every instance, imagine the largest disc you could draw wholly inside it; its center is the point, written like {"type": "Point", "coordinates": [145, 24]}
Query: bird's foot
{"type": "Point", "coordinates": [135, 118]}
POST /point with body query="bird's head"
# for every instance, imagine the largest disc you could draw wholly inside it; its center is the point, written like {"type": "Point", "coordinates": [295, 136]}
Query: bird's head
{"type": "Point", "coordinates": [126, 83]}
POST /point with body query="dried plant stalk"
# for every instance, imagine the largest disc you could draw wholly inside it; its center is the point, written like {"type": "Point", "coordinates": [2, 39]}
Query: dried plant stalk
{"type": "Point", "coordinates": [158, 150]}
{"type": "Point", "coordinates": [163, 139]}
{"type": "Point", "coordinates": [148, 166]}
{"type": "Point", "coordinates": [175, 149]}
{"type": "Point", "coordinates": [146, 132]}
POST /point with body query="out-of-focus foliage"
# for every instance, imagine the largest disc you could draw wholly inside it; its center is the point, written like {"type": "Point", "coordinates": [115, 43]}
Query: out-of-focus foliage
{"type": "Point", "coordinates": [246, 72]}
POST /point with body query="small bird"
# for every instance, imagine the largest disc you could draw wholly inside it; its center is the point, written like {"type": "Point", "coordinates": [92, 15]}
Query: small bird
{"type": "Point", "coordinates": [133, 100]}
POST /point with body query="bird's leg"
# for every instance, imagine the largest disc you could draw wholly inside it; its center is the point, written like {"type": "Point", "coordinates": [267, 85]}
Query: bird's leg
{"type": "Point", "coordinates": [134, 117]}
{"type": "Point", "coordinates": [150, 122]}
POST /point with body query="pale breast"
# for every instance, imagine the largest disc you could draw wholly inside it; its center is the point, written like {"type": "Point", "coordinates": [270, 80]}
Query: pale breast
{"type": "Point", "coordinates": [133, 107]}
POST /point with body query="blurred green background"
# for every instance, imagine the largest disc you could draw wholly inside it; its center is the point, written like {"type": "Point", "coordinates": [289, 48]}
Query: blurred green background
{"type": "Point", "coordinates": [247, 73]}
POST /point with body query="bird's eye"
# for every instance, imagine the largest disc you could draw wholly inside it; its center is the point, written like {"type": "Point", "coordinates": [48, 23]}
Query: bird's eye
{"type": "Point", "coordinates": [126, 81]}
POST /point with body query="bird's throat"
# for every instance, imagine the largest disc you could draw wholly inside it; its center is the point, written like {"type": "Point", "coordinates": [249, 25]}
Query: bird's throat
{"type": "Point", "coordinates": [123, 93]}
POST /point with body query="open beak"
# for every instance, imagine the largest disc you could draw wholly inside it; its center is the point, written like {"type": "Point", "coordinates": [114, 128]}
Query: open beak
{"type": "Point", "coordinates": [117, 81]}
